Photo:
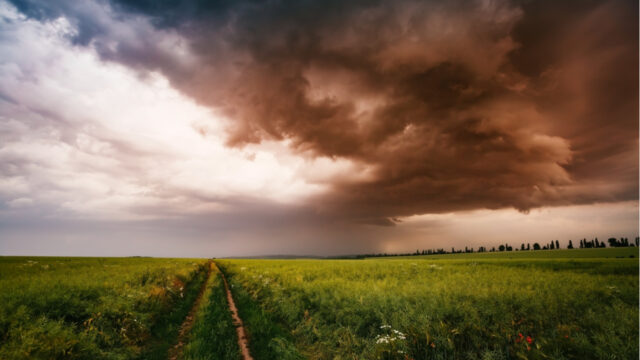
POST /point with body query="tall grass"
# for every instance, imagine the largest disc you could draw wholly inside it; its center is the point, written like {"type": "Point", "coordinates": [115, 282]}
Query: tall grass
{"type": "Point", "coordinates": [448, 309]}
{"type": "Point", "coordinates": [100, 308]}
{"type": "Point", "coordinates": [213, 336]}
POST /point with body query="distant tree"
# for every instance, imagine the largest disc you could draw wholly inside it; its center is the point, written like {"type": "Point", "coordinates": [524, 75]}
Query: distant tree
{"type": "Point", "coordinates": [501, 247]}
{"type": "Point", "coordinates": [453, 251]}
{"type": "Point", "coordinates": [557, 244]}
{"type": "Point", "coordinates": [597, 243]}
{"type": "Point", "coordinates": [570, 246]}
{"type": "Point", "coordinates": [552, 246]}
{"type": "Point", "coordinates": [536, 246]}
{"type": "Point", "coordinates": [509, 248]}
{"type": "Point", "coordinates": [522, 247]}
{"type": "Point", "coordinates": [581, 244]}
{"type": "Point", "coordinates": [528, 246]}
{"type": "Point", "coordinates": [493, 249]}
{"type": "Point", "coordinates": [637, 241]}
{"type": "Point", "coordinates": [613, 242]}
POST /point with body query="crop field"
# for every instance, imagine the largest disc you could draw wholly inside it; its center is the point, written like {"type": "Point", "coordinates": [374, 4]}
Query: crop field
{"type": "Point", "coordinates": [563, 304]}
{"type": "Point", "coordinates": [459, 307]}
{"type": "Point", "coordinates": [94, 308]}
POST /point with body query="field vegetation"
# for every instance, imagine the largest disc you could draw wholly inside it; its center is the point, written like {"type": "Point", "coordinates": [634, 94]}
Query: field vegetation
{"type": "Point", "coordinates": [560, 304]}
{"type": "Point", "coordinates": [529, 307]}
{"type": "Point", "coordinates": [213, 336]}
{"type": "Point", "coordinates": [94, 308]}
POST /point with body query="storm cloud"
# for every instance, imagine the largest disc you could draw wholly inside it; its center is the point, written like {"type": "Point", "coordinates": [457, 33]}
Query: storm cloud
{"type": "Point", "coordinates": [426, 107]}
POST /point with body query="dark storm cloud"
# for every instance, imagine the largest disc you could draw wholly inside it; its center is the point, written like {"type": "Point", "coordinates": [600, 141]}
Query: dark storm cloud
{"type": "Point", "coordinates": [454, 105]}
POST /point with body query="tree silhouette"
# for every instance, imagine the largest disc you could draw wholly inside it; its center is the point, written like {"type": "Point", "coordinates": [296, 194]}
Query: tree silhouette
{"type": "Point", "coordinates": [557, 244]}
{"type": "Point", "coordinates": [536, 246]}
{"type": "Point", "coordinates": [570, 246]}
{"type": "Point", "coordinates": [501, 247]}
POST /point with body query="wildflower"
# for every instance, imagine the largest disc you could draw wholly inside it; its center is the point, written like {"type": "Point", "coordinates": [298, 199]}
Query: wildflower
{"type": "Point", "coordinates": [529, 339]}
{"type": "Point", "coordinates": [519, 339]}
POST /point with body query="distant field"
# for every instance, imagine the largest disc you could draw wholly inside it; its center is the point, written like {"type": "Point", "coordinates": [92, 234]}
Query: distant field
{"type": "Point", "coordinates": [621, 252]}
{"type": "Point", "coordinates": [536, 305]}
{"type": "Point", "coordinates": [93, 308]}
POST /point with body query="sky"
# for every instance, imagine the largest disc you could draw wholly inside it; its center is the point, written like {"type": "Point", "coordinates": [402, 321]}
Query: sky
{"type": "Point", "coordinates": [245, 128]}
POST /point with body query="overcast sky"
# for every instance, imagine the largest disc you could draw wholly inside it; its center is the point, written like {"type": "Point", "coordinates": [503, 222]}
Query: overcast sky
{"type": "Point", "coordinates": [233, 128]}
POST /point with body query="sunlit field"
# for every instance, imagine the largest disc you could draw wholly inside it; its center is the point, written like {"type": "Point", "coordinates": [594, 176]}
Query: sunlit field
{"type": "Point", "coordinates": [94, 308]}
{"type": "Point", "coordinates": [562, 304]}
{"type": "Point", "coordinates": [536, 305]}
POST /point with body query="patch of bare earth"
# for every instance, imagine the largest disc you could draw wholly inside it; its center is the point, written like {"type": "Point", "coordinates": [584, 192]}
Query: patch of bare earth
{"type": "Point", "coordinates": [243, 343]}
{"type": "Point", "coordinates": [175, 352]}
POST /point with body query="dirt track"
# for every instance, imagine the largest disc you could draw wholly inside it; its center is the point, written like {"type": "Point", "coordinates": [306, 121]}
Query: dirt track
{"type": "Point", "coordinates": [242, 338]}
{"type": "Point", "coordinates": [176, 351]}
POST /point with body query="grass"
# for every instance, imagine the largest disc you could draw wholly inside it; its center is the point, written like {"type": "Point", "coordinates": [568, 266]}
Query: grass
{"type": "Point", "coordinates": [464, 307]}
{"type": "Point", "coordinates": [561, 304]}
{"type": "Point", "coordinates": [268, 339]}
{"type": "Point", "coordinates": [213, 336]}
{"type": "Point", "coordinates": [100, 308]}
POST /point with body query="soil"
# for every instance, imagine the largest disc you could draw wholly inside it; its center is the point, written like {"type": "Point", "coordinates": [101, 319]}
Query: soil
{"type": "Point", "coordinates": [175, 352]}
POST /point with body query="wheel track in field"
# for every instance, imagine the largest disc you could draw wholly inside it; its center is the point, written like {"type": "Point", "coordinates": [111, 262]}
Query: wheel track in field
{"type": "Point", "coordinates": [175, 352]}
{"type": "Point", "coordinates": [243, 343]}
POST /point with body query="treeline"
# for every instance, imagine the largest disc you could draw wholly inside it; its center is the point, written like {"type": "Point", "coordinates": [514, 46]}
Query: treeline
{"type": "Point", "coordinates": [552, 245]}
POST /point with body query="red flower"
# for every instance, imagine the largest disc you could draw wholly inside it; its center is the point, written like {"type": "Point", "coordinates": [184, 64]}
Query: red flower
{"type": "Point", "coordinates": [519, 338]}
{"type": "Point", "coordinates": [529, 339]}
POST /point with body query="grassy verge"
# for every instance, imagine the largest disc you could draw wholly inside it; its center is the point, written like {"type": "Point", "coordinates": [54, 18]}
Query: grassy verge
{"type": "Point", "coordinates": [268, 338]}
{"type": "Point", "coordinates": [213, 336]}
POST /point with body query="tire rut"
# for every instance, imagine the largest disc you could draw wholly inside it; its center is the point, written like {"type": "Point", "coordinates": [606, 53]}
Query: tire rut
{"type": "Point", "coordinates": [243, 342]}
{"type": "Point", "coordinates": [175, 352]}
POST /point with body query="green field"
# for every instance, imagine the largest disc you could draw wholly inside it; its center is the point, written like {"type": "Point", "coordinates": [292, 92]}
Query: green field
{"type": "Point", "coordinates": [81, 308]}
{"type": "Point", "coordinates": [558, 304]}
{"type": "Point", "coordinates": [462, 306]}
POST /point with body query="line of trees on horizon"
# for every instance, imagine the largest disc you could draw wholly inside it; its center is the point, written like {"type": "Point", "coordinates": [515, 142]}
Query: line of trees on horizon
{"type": "Point", "coordinates": [553, 245]}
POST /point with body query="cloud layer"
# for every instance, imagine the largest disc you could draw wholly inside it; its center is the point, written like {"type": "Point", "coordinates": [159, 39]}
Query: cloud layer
{"type": "Point", "coordinates": [302, 116]}
{"type": "Point", "coordinates": [450, 105]}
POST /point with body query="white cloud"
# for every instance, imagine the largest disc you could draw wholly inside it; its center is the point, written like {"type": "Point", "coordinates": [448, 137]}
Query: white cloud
{"type": "Point", "coordinates": [94, 139]}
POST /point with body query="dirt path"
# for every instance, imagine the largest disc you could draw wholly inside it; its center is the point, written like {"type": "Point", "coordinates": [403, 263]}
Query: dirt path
{"type": "Point", "coordinates": [242, 338]}
{"type": "Point", "coordinates": [176, 351]}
